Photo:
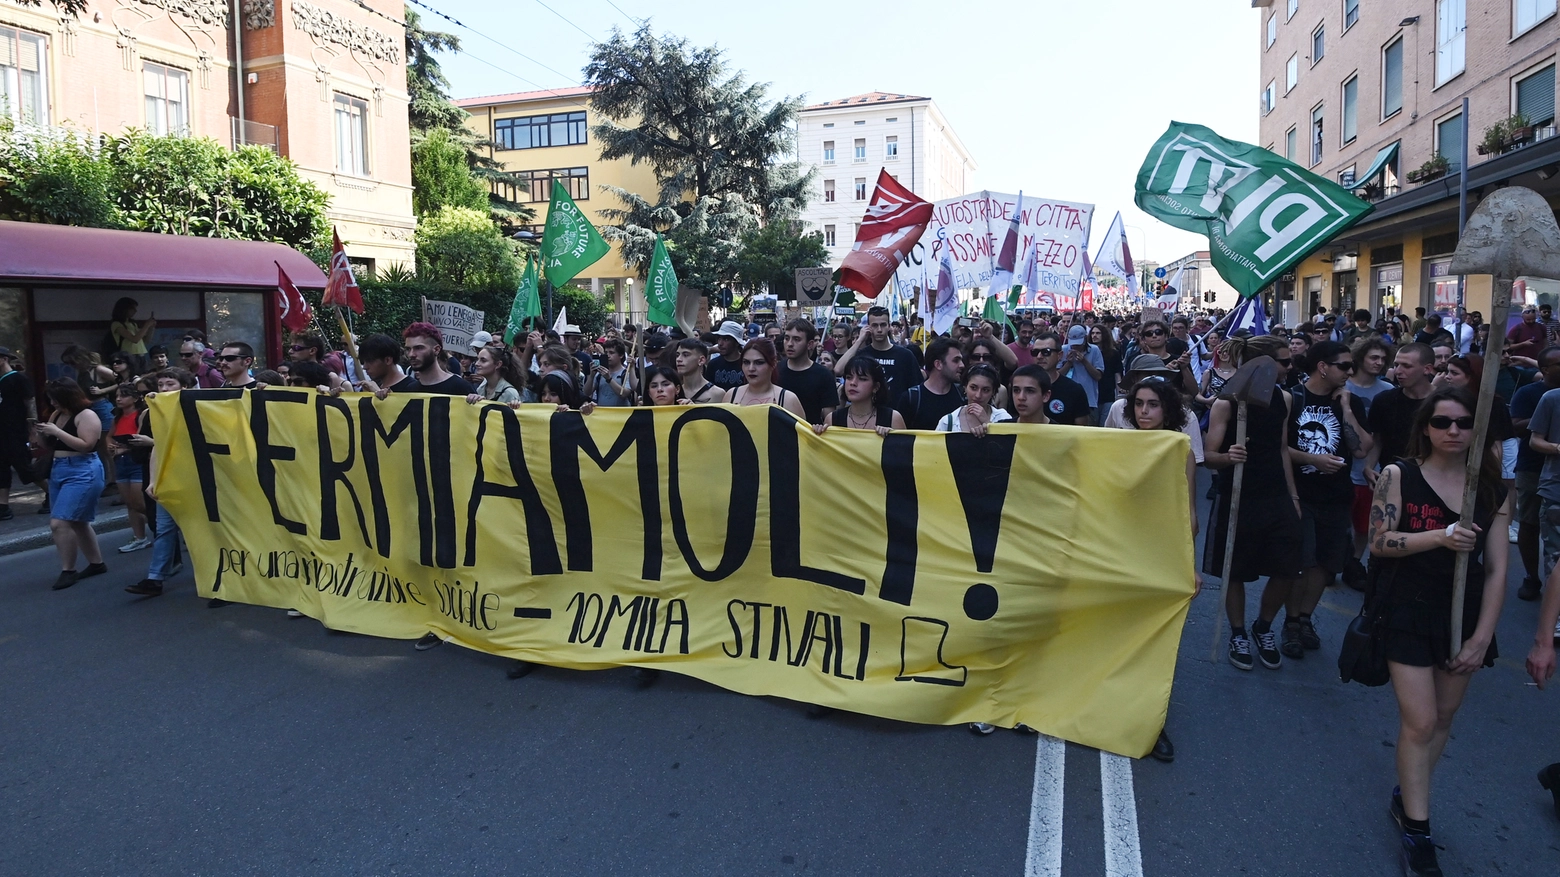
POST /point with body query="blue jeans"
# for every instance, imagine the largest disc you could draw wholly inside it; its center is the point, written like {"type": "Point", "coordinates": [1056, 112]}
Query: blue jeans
{"type": "Point", "coordinates": [165, 547]}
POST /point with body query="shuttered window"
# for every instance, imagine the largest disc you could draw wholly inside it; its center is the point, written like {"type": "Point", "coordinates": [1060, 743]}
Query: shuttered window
{"type": "Point", "coordinates": [1536, 97]}
{"type": "Point", "coordinates": [22, 84]}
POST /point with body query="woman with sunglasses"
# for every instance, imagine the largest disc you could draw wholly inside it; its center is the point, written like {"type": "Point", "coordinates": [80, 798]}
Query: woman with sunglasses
{"type": "Point", "coordinates": [983, 351]}
{"type": "Point", "coordinates": [1466, 372]}
{"type": "Point", "coordinates": [1417, 527]}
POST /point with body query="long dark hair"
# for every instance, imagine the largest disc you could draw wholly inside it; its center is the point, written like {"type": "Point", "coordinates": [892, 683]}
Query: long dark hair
{"type": "Point", "coordinates": [1169, 402]}
{"type": "Point", "coordinates": [659, 371]}
{"type": "Point", "coordinates": [871, 369]}
{"type": "Point", "coordinates": [1419, 446]}
{"type": "Point", "coordinates": [122, 309]}
{"type": "Point", "coordinates": [561, 386]}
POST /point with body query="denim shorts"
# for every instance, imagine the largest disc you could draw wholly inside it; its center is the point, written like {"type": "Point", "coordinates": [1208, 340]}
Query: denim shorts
{"type": "Point", "coordinates": [75, 483]}
{"type": "Point", "coordinates": [104, 409]}
{"type": "Point", "coordinates": [127, 469]}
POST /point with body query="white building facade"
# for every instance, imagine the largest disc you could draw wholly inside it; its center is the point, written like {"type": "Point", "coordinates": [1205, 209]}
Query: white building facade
{"type": "Point", "coordinates": [1202, 289]}
{"type": "Point", "coordinates": [848, 141]}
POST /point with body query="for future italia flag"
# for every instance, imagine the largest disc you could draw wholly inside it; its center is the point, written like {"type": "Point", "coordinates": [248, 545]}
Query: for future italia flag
{"type": "Point", "coordinates": [570, 244]}
{"type": "Point", "coordinates": [895, 221]}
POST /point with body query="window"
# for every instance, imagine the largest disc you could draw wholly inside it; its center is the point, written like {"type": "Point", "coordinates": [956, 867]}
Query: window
{"type": "Point", "coordinates": [892, 119]}
{"type": "Point", "coordinates": [1536, 97]}
{"type": "Point", "coordinates": [828, 152]}
{"type": "Point", "coordinates": [1269, 97]}
{"type": "Point", "coordinates": [1290, 137]}
{"type": "Point", "coordinates": [1294, 6]}
{"type": "Point", "coordinates": [828, 235]}
{"type": "Point", "coordinates": [1351, 13]}
{"type": "Point", "coordinates": [860, 122]}
{"type": "Point", "coordinates": [537, 187]}
{"type": "Point", "coordinates": [860, 153]}
{"type": "Point", "coordinates": [828, 124]}
{"type": "Point", "coordinates": [1392, 79]}
{"type": "Point", "coordinates": [22, 84]}
{"type": "Point", "coordinates": [1451, 26]}
{"type": "Point", "coordinates": [1526, 13]}
{"type": "Point", "coordinates": [861, 188]}
{"type": "Point", "coordinates": [891, 147]}
{"type": "Point", "coordinates": [1448, 141]}
{"type": "Point", "coordinates": [1346, 177]}
{"type": "Point", "coordinates": [535, 132]}
{"type": "Point", "coordinates": [168, 99]}
{"type": "Point", "coordinates": [351, 134]}
{"type": "Point", "coordinates": [1318, 44]}
{"type": "Point", "coordinates": [858, 231]}
{"type": "Point", "coordinates": [1291, 73]}
{"type": "Point", "coordinates": [1317, 114]}
{"type": "Point", "coordinates": [1351, 100]}
{"type": "Point", "coordinates": [1272, 29]}
{"type": "Point", "coordinates": [828, 190]}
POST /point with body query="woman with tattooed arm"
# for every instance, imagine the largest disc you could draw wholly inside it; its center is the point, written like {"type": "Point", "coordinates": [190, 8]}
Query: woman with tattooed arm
{"type": "Point", "coordinates": [1417, 526]}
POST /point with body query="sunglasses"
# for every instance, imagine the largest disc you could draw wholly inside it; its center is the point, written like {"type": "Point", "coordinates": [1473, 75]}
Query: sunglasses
{"type": "Point", "coordinates": [298, 347]}
{"type": "Point", "coordinates": [1153, 333]}
{"type": "Point", "coordinates": [230, 358]}
{"type": "Point", "coordinates": [1043, 351]}
{"type": "Point", "coordinates": [1441, 421]}
{"type": "Point", "coordinates": [1346, 366]}
{"type": "Point", "coordinates": [979, 357]}
{"type": "Point", "coordinates": [189, 354]}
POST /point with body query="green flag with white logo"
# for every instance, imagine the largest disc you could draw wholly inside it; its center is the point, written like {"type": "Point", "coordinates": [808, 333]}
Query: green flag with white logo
{"type": "Point", "coordinates": [1262, 213]}
{"type": "Point", "coordinates": [661, 287]}
{"type": "Point", "coordinates": [570, 244]}
{"type": "Point", "coordinates": [528, 302]}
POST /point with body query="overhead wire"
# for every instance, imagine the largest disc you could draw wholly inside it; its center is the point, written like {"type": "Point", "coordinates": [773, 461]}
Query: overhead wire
{"type": "Point", "coordinates": [636, 21]}
{"type": "Point", "coordinates": [565, 18]}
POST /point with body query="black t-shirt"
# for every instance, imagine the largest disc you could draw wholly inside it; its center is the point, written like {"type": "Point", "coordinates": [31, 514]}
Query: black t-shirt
{"type": "Point", "coordinates": [921, 408]}
{"type": "Point", "coordinates": [724, 373]}
{"type": "Point", "coordinates": [1068, 402]}
{"type": "Point", "coordinates": [15, 390]}
{"type": "Point", "coordinates": [901, 367]}
{"type": "Point", "coordinates": [1175, 347]}
{"type": "Point", "coordinates": [454, 385]}
{"type": "Point", "coordinates": [1316, 426]}
{"type": "Point", "coordinates": [1391, 421]}
{"type": "Point", "coordinates": [814, 387]}
{"type": "Point", "coordinates": [407, 384]}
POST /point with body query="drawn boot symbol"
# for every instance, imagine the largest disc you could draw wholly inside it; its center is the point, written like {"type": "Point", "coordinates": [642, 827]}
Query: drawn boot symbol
{"type": "Point", "coordinates": [921, 653]}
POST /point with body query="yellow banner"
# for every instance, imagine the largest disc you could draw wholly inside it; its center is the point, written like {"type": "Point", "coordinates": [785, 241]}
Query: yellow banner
{"type": "Point", "coordinates": [1037, 575]}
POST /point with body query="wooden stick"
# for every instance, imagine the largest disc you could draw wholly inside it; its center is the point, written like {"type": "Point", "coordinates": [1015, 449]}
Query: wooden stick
{"type": "Point", "coordinates": [1500, 309]}
{"type": "Point", "coordinates": [351, 342]}
{"type": "Point", "coordinates": [1229, 539]}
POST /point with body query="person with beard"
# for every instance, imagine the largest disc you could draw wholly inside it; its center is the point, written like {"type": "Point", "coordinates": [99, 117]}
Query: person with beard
{"type": "Point", "coordinates": [425, 350]}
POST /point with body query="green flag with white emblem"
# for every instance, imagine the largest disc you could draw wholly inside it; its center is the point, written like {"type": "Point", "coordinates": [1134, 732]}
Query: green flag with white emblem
{"type": "Point", "coordinates": [527, 304]}
{"type": "Point", "coordinates": [1262, 213]}
{"type": "Point", "coordinates": [570, 244]}
{"type": "Point", "coordinates": [661, 287]}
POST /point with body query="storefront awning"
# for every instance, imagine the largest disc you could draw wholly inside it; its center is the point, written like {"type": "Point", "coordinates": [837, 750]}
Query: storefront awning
{"type": "Point", "coordinates": [32, 252]}
{"type": "Point", "coordinates": [1382, 157]}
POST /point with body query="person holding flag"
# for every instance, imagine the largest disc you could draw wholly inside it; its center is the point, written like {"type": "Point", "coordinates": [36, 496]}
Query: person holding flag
{"type": "Point", "coordinates": [341, 291]}
{"type": "Point", "coordinates": [527, 304]}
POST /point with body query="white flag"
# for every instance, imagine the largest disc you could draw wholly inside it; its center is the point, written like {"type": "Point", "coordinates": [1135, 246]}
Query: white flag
{"type": "Point", "coordinates": [945, 298]}
{"type": "Point", "coordinates": [562, 321]}
{"type": "Point", "coordinates": [1116, 257]}
{"type": "Point", "coordinates": [1171, 296]}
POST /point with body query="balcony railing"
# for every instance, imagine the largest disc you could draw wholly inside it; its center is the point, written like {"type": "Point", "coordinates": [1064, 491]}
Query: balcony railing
{"type": "Point", "coordinates": [251, 133]}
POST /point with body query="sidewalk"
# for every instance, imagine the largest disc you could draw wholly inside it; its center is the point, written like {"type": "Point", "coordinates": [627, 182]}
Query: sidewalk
{"type": "Point", "coordinates": [29, 530]}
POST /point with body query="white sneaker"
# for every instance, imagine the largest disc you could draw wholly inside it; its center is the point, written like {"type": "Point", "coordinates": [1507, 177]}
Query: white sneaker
{"type": "Point", "coordinates": [293, 613]}
{"type": "Point", "coordinates": [1513, 534]}
{"type": "Point", "coordinates": [135, 545]}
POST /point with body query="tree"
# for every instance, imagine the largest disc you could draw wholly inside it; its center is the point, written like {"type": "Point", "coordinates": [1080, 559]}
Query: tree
{"type": "Point", "coordinates": [442, 177]}
{"type": "Point", "coordinates": [714, 142]}
{"type": "Point", "coordinates": [461, 247]}
{"type": "Point", "coordinates": [771, 255]}
{"type": "Point", "coordinates": [55, 177]}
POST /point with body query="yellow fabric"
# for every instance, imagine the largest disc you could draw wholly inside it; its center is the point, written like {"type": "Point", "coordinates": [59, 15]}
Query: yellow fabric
{"type": "Point", "coordinates": [1091, 571]}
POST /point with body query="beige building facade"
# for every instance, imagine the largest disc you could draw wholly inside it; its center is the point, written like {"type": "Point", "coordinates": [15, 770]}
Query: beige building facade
{"type": "Point", "coordinates": [321, 82]}
{"type": "Point", "coordinates": [1370, 94]}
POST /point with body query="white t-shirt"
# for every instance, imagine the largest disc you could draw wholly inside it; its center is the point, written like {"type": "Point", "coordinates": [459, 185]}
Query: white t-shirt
{"type": "Point", "coordinates": [953, 421]}
{"type": "Point", "coordinates": [1117, 419]}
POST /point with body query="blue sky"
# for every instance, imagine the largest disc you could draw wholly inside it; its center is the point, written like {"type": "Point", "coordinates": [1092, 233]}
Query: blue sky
{"type": "Point", "coordinates": [1058, 99]}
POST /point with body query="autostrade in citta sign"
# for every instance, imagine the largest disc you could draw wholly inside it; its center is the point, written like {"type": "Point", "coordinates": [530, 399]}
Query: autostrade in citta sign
{"type": "Point", "coordinates": [976, 225]}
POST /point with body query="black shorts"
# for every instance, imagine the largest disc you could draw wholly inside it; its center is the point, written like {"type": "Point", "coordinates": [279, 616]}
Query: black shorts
{"type": "Point", "coordinates": [1423, 650]}
{"type": "Point", "coordinates": [1326, 536]}
{"type": "Point", "coordinates": [14, 454]}
{"type": "Point", "coordinates": [1267, 541]}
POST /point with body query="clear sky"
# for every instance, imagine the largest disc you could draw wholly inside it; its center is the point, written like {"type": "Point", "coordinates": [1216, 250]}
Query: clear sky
{"type": "Point", "coordinates": [1059, 99]}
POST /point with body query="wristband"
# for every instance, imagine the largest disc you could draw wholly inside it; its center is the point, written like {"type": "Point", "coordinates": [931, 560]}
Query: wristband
{"type": "Point", "coordinates": [1450, 529]}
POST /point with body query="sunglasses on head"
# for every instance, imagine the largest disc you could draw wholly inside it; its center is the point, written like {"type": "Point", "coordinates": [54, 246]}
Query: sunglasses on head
{"type": "Point", "coordinates": [1441, 421]}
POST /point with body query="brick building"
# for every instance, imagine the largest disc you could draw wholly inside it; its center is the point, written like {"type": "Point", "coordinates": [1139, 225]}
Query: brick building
{"type": "Point", "coordinates": [1370, 94]}
{"type": "Point", "coordinates": [323, 82]}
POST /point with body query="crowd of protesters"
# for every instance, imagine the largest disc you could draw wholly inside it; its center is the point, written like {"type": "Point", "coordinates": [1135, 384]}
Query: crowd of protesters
{"type": "Point", "coordinates": [1351, 474]}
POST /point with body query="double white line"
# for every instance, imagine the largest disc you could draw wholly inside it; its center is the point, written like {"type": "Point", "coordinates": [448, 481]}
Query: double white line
{"type": "Point", "coordinates": [1123, 857]}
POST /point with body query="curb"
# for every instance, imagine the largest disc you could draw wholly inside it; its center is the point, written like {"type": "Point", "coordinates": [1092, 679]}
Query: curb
{"type": "Point", "coordinates": [116, 520]}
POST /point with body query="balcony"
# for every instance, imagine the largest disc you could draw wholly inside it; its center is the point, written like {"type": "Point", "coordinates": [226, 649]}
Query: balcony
{"type": "Point", "coordinates": [249, 133]}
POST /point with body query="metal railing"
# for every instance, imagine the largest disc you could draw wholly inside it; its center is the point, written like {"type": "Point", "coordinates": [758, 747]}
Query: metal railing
{"type": "Point", "coordinates": [251, 133]}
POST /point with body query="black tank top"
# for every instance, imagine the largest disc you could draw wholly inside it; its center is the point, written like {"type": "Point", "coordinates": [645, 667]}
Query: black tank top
{"type": "Point", "coordinates": [1427, 575]}
{"type": "Point", "coordinates": [885, 417]}
{"type": "Point", "coordinates": [1264, 470]}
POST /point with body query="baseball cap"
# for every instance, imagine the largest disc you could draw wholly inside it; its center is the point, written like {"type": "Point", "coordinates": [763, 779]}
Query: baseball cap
{"type": "Point", "coordinates": [733, 330]}
{"type": "Point", "coordinates": [479, 340]}
{"type": "Point", "coordinates": [1079, 335]}
{"type": "Point", "coordinates": [6, 352]}
{"type": "Point", "coordinates": [1149, 364]}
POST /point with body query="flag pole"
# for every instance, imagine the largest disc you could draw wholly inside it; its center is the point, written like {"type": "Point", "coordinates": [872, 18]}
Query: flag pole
{"type": "Point", "coordinates": [351, 343]}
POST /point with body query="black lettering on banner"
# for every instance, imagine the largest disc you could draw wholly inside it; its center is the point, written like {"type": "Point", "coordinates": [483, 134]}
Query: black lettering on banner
{"type": "Point", "coordinates": [736, 630]}
{"type": "Point", "coordinates": [266, 454]}
{"type": "Point", "coordinates": [903, 512]}
{"type": "Point", "coordinates": [570, 436]}
{"type": "Point", "coordinates": [980, 472]}
{"type": "Point", "coordinates": [333, 471]}
{"type": "Point", "coordinates": [411, 420]}
{"type": "Point", "coordinates": [785, 510]}
{"type": "Point", "coordinates": [676, 616]}
{"type": "Point", "coordinates": [631, 609]}
{"type": "Point", "coordinates": [781, 620]}
{"type": "Point", "coordinates": [203, 450]}
{"type": "Point", "coordinates": [577, 632]}
{"type": "Point", "coordinates": [538, 525]}
{"type": "Point", "coordinates": [443, 488]}
{"type": "Point", "coordinates": [742, 518]}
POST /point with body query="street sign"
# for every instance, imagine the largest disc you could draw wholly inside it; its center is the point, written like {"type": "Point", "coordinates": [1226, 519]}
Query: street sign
{"type": "Point", "coordinates": [814, 285]}
{"type": "Point", "coordinates": [1160, 273]}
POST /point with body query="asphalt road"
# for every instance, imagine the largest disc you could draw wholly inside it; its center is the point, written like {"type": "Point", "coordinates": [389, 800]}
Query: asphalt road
{"type": "Point", "coordinates": [157, 736]}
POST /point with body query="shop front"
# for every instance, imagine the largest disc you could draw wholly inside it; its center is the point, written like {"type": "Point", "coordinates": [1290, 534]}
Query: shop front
{"type": "Point", "coordinates": [59, 286]}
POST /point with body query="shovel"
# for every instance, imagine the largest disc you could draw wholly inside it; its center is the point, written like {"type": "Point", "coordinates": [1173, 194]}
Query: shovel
{"type": "Point", "coordinates": [1252, 384]}
{"type": "Point", "coordinates": [1512, 234]}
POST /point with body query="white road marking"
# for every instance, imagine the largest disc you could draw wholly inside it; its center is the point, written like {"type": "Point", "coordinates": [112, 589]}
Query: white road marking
{"type": "Point", "coordinates": [1044, 857]}
{"type": "Point", "coordinates": [1123, 858]}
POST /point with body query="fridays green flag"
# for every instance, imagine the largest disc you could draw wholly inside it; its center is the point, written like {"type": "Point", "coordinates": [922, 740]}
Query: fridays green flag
{"type": "Point", "coordinates": [528, 302]}
{"type": "Point", "coordinates": [1261, 213]}
{"type": "Point", "coordinates": [661, 287]}
{"type": "Point", "coordinates": [994, 311]}
{"type": "Point", "coordinates": [570, 244]}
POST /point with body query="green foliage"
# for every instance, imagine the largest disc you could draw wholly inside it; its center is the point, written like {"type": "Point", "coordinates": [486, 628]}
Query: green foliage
{"type": "Point", "coordinates": [771, 255]}
{"type": "Point", "coordinates": [73, 8]}
{"type": "Point", "coordinates": [389, 306]}
{"type": "Point", "coordinates": [585, 309]}
{"type": "Point", "coordinates": [715, 142]}
{"type": "Point", "coordinates": [441, 177]}
{"type": "Point", "coordinates": [54, 177]}
{"type": "Point", "coordinates": [461, 247]}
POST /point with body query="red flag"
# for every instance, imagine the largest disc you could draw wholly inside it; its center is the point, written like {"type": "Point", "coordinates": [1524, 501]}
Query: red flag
{"type": "Point", "coordinates": [895, 221]}
{"type": "Point", "coordinates": [341, 289]}
{"type": "Point", "coordinates": [295, 309]}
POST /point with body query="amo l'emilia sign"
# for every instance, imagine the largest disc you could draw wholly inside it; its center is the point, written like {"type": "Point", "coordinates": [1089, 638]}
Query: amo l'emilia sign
{"type": "Point", "coordinates": [1261, 213]}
